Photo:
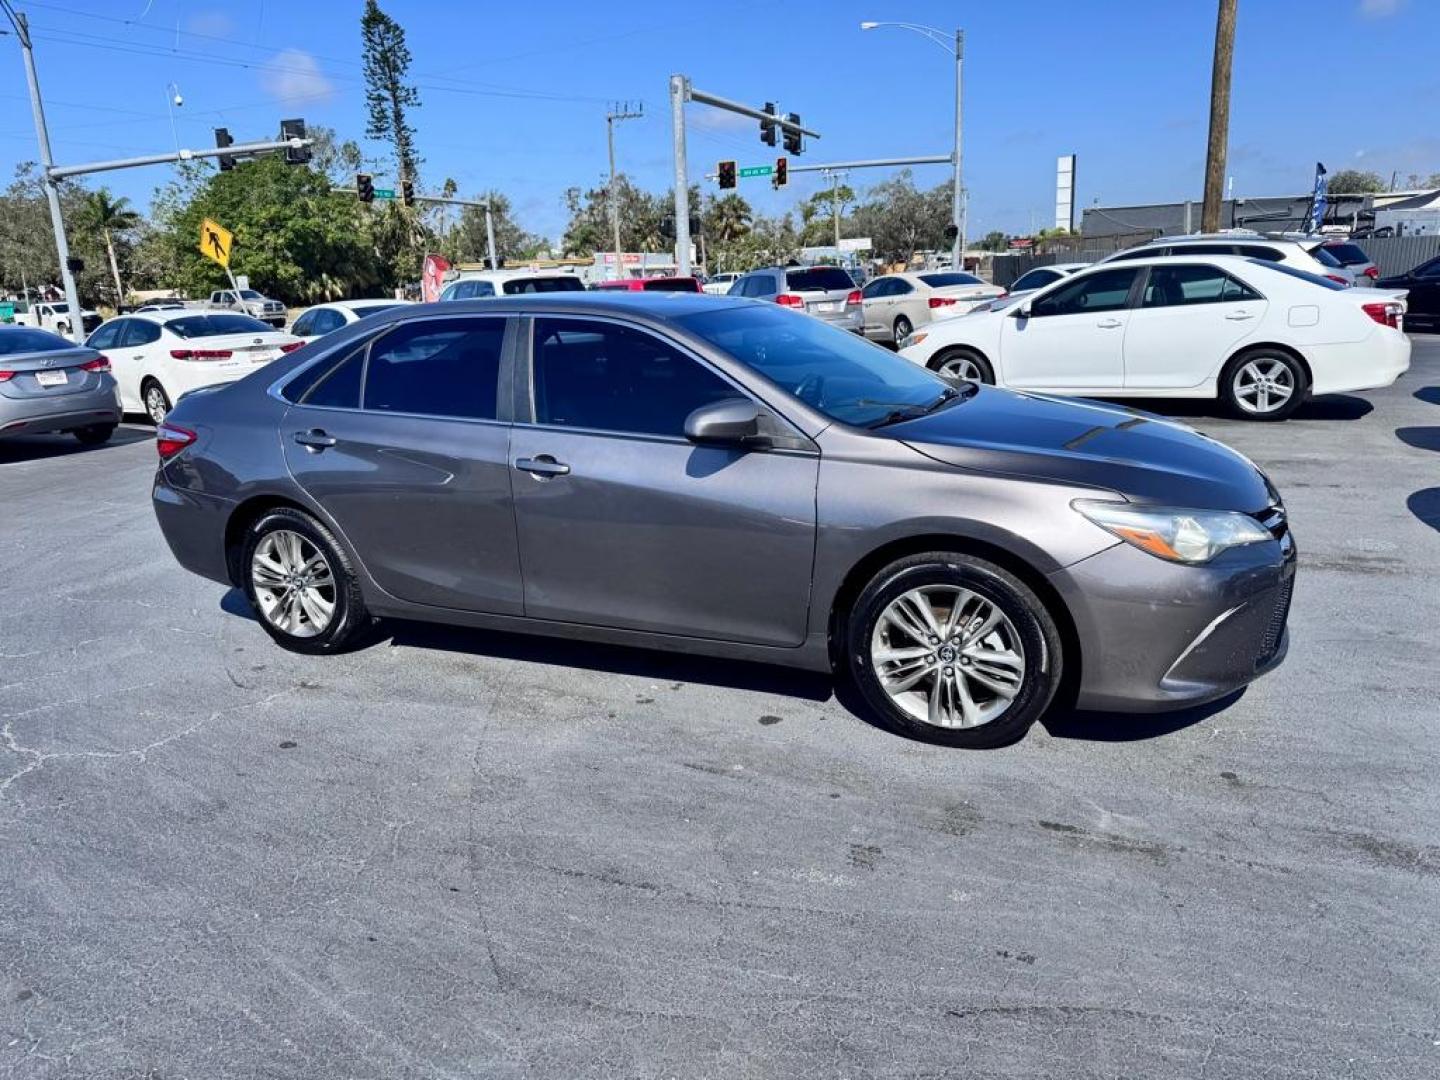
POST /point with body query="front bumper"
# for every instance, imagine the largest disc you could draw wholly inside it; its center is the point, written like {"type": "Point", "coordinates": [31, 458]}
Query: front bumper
{"type": "Point", "coordinates": [1156, 635]}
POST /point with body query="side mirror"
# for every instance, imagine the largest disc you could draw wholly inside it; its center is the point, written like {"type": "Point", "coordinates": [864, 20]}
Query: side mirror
{"type": "Point", "coordinates": [732, 422]}
{"type": "Point", "coordinates": [1022, 310]}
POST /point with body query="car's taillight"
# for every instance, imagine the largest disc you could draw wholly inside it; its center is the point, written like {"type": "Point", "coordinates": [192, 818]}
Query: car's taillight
{"type": "Point", "coordinates": [942, 301]}
{"type": "Point", "coordinates": [1386, 313]}
{"type": "Point", "coordinates": [790, 300]}
{"type": "Point", "coordinates": [170, 439]}
{"type": "Point", "coordinates": [1372, 272]}
{"type": "Point", "coordinates": [291, 346]}
{"type": "Point", "coordinates": [200, 354]}
{"type": "Point", "coordinates": [100, 363]}
{"type": "Point", "coordinates": [1337, 279]}
{"type": "Point", "coordinates": [854, 298]}
{"type": "Point", "coordinates": [6, 376]}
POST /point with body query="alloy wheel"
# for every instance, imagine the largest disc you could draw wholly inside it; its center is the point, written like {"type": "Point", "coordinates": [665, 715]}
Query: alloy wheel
{"type": "Point", "coordinates": [293, 583]}
{"type": "Point", "coordinates": [962, 367]}
{"type": "Point", "coordinates": [947, 656]}
{"type": "Point", "coordinates": [155, 404]}
{"type": "Point", "coordinates": [1263, 385]}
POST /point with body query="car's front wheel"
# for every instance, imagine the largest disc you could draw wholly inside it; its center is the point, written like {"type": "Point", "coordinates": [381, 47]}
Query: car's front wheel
{"type": "Point", "coordinates": [301, 583]}
{"type": "Point", "coordinates": [953, 649]}
{"type": "Point", "coordinates": [963, 363]}
{"type": "Point", "coordinates": [1263, 384]}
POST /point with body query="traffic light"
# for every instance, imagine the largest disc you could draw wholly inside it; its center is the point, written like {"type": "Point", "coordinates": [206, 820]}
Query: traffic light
{"type": "Point", "coordinates": [407, 192]}
{"type": "Point", "coordinates": [222, 140]}
{"type": "Point", "coordinates": [294, 129]}
{"type": "Point", "coordinates": [727, 174]}
{"type": "Point", "coordinates": [365, 187]}
{"type": "Point", "coordinates": [667, 228]}
{"type": "Point", "coordinates": [793, 145]}
{"type": "Point", "coordinates": [767, 127]}
{"type": "Point", "coordinates": [782, 172]}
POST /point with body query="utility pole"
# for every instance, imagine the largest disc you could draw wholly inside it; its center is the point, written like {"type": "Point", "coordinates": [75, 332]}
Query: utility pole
{"type": "Point", "coordinates": [619, 112]}
{"type": "Point", "coordinates": [47, 163]}
{"type": "Point", "coordinates": [957, 210]}
{"type": "Point", "coordinates": [1219, 116]}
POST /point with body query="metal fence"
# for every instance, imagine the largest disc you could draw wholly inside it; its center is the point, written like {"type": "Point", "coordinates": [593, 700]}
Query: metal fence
{"type": "Point", "coordinates": [1396, 254]}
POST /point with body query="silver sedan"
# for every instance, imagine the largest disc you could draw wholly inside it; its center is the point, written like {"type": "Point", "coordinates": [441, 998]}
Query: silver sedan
{"type": "Point", "coordinates": [50, 384]}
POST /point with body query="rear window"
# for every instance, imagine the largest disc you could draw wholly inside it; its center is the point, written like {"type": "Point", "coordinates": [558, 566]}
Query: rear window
{"type": "Point", "coordinates": [198, 326]}
{"type": "Point", "coordinates": [372, 309]}
{"type": "Point", "coordinates": [564, 283]}
{"type": "Point", "coordinates": [940, 281]}
{"type": "Point", "coordinates": [22, 340]}
{"type": "Point", "coordinates": [823, 278]}
{"type": "Point", "coordinates": [1325, 258]}
{"type": "Point", "coordinates": [1348, 254]}
{"type": "Point", "coordinates": [683, 284]}
{"type": "Point", "coordinates": [1314, 279]}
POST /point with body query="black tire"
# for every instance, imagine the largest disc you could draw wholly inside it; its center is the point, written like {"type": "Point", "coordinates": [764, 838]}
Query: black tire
{"type": "Point", "coordinates": [154, 400]}
{"type": "Point", "coordinates": [95, 434]}
{"type": "Point", "coordinates": [960, 354]}
{"type": "Point", "coordinates": [903, 329]}
{"type": "Point", "coordinates": [1037, 637]}
{"type": "Point", "coordinates": [1299, 383]}
{"type": "Point", "coordinates": [349, 620]}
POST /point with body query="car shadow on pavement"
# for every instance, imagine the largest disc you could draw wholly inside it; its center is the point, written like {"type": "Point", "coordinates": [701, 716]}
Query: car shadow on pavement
{"type": "Point", "coordinates": [39, 447]}
{"type": "Point", "coordinates": [1131, 727]}
{"type": "Point", "coordinates": [1421, 438]}
{"type": "Point", "coordinates": [1430, 394]}
{"type": "Point", "coordinates": [1425, 505]}
{"type": "Point", "coordinates": [1325, 407]}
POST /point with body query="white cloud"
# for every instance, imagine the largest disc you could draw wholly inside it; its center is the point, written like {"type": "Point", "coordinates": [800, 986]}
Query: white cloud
{"type": "Point", "coordinates": [292, 75]}
{"type": "Point", "coordinates": [1380, 9]}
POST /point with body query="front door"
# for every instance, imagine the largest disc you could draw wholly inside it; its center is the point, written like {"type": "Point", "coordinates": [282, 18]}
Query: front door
{"type": "Point", "coordinates": [413, 465]}
{"type": "Point", "coordinates": [1188, 320]}
{"type": "Point", "coordinates": [1073, 338]}
{"type": "Point", "coordinates": [624, 523]}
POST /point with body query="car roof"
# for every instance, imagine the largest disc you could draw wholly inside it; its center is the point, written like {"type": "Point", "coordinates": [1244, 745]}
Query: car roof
{"type": "Point", "coordinates": [657, 304]}
{"type": "Point", "coordinates": [508, 274]}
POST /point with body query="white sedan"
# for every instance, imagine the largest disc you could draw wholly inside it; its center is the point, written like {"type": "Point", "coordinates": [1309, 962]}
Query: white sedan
{"type": "Point", "coordinates": [156, 356]}
{"type": "Point", "coordinates": [325, 319]}
{"type": "Point", "coordinates": [1260, 336]}
{"type": "Point", "coordinates": [896, 304]}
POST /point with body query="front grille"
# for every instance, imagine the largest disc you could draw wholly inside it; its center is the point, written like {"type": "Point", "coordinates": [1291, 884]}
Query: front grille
{"type": "Point", "coordinates": [1275, 627]}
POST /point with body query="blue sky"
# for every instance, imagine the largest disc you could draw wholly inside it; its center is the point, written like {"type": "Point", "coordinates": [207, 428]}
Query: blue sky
{"type": "Point", "coordinates": [514, 95]}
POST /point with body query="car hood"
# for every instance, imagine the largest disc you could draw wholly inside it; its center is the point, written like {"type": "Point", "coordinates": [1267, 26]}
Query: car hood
{"type": "Point", "coordinates": [1144, 457]}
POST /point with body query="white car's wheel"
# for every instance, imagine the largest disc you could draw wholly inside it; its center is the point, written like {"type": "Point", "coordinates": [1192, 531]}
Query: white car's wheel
{"type": "Point", "coordinates": [1263, 384]}
{"type": "Point", "coordinates": [963, 364]}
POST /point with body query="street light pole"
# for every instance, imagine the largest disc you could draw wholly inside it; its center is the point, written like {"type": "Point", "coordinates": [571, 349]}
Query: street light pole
{"type": "Point", "coordinates": [679, 92]}
{"type": "Point", "coordinates": [47, 162]}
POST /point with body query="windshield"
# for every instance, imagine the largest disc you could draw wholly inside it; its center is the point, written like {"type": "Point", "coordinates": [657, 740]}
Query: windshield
{"type": "Point", "coordinates": [19, 339]}
{"type": "Point", "coordinates": [250, 294]}
{"type": "Point", "coordinates": [1303, 275]}
{"type": "Point", "coordinates": [198, 326]}
{"type": "Point", "coordinates": [940, 281]}
{"type": "Point", "coordinates": [565, 283]}
{"type": "Point", "coordinates": [834, 371]}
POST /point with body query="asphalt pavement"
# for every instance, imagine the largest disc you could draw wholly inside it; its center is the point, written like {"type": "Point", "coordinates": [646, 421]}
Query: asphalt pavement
{"type": "Point", "coordinates": [458, 854]}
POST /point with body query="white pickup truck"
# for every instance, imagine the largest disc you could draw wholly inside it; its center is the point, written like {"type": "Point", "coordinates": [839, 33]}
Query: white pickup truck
{"type": "Point", "coordinates": [55, 317]}
{"type": "Point", "coordinates": [249, 302]}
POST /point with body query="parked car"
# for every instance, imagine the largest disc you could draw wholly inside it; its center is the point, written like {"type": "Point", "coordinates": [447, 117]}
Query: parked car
{"type": "Point", "coordinates": [50, 384]}
{"type": "Point", "coordinates": [473, 285]}
{"type": "Point", "coordinates": [160, 305]}
{"type": "Point", "coordinates": [248, 302]}
{"type": "Point", "coordinates": [1259, 335]}
{"type": "Point", "coordinates": [325, 319]}
{"type": "Point", "coordinates": [1308, 257]}
{"type": "Point", "coordinates": [895, 304]}
{"type": "Point", "coordinates": [53, 316]}
{"type": "Point", "coordinates": [721, 477]}
{"type": "Point", "coordinates": [827, 292]}
{"type": "Point", "coordinates": [1352, 257]}
{"type": "Point", "coordinates": [719, 284]}
{"type": "Point", "coordinates": [1422, 283]}
{"type": "Point", "coordinates": [1040, 276]}
{"type": "Point", "coordinates": [160, 355]}
{"type": "Point", "coordinates": [654, 284]}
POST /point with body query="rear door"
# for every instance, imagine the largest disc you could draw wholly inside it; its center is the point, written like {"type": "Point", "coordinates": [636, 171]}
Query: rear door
{"type": "Point", "coordinates": [404, 445]}
{"type": "Point", "coordinates": [1190, 318]}
{"type": "Point", "coordinates": [1074, 337]}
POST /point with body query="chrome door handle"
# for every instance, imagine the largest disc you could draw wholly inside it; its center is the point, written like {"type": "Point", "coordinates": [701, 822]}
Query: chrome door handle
{"type": "Point", "coordinates": [1239, 316]}
{"type": "Point", "coordinates": [315, 439]}
{"type": "Point", "coordinates": [544, 465]}
{"type": "Point", "coordinates": [1109, 324]}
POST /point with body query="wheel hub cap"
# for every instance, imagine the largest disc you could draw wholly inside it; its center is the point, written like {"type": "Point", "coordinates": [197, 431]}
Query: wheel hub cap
{"type": "Point", "coordinates": [294, 586]}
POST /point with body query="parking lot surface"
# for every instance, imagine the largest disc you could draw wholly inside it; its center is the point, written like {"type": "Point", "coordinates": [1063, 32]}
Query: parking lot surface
{"type": "Point", "coordinates": [458, 854]}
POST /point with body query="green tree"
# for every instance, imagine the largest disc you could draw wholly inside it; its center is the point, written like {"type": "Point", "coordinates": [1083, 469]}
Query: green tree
{"type": "Point", "coordinates": [512, 242]}
{"type": "Point", "coordinates": [900, 219]}
{"type": "Point", "coordinates": [817, 214]}
{"type": "Point", "coordinates": [995, 240]}
{"type": "Point", "coordinates": [641, 215]}
{"type": "Point", "coordinates": [388, 97]}
{"type": "Point", "coordinates": [109, 217]}
{"type": "Point", "coordinates": [27, 245]}
{"type": "Point", "coordinates": [1355, 182]}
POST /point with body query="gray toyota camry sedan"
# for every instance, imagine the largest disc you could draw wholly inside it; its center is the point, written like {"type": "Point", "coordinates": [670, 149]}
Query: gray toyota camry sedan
{"type": "Point", "coordinates": [724, 476]}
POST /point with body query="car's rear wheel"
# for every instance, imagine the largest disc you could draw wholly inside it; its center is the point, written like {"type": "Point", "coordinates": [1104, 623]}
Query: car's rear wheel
{"type": "Point", "coordinates": [94, 434]}
{"type": "Point", "coordinates": [963, 363]}
{"type": "Point", "coordinates": [301, 584]}
{"type": "Point", "coordinates": [902, 329]}
{"type": "Point", "coordinates": [953, 649]}
{"type": "Point", "coordinates": [156, 401]}
{"type": "Point", "coordinates": [1263, 384]}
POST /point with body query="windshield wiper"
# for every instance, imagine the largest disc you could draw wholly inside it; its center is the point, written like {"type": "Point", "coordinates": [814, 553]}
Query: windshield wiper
{"type": "Point", "coordinates": [913, 412]}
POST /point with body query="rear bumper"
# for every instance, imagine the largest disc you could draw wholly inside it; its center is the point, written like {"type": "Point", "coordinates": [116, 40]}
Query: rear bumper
{"type": "Point", "coordinates": [1156, 635]}
{"type": "Point", "coordinates": [34, 416]}
{"type": "Point", "coordinates": [194, 525]}
{"type": "Point", "coordinates": [1369, 365]}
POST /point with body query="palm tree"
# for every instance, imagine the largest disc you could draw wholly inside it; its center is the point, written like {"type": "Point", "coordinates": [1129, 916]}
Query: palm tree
{"type": "Point", "coordinates": [109, 215]}
{"type": "Point", "coordinates": [730, 218]}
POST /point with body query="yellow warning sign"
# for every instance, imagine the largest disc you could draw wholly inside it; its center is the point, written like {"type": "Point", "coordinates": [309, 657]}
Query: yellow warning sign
{"type": "Point", "coordinates": [215, 241]}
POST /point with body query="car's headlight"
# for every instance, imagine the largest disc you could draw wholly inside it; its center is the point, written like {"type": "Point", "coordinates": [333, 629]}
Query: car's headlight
{"type": "Point", "coordinates": [913, 338]}
{"type": "Point", "coordinates": [1186, 536]}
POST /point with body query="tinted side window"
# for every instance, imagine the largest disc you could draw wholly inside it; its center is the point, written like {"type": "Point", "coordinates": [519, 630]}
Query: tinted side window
{"type": "Point", "coordinates": [1134, 253]}
{"type": "Point", "coordinates": [305, 325]}
{"type": "Point", "coordinates": [901, 287]}
{"type": "Point", "coordinates": [613, 378]}
{"type": "Point", "coordinates": [138, 332]}
{"type": "Point", "coordinates": [328, 320]}
{"type": "Point", "coordinates": [1174, 286]}
{"type": "Point", "coordinates": [1106, 290]}
{"type": "Point", "coordinates": [1251, 251]}
{"type": "Point", "coordinates": [337, 388]}
{"type": "Point", "coordinates": [437, 367]}
{"type": "Point", "coordinates": [874, 289]}
{"type": "Point", "coordinates": [1206, 249]}
{"type": "Point", "coordinates": [107, 336]}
